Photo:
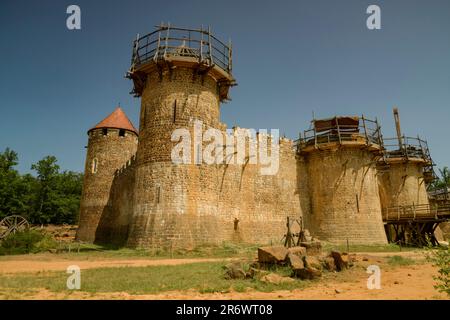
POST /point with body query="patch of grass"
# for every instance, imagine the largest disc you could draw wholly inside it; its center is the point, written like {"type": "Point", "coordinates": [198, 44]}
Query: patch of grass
{"type": "Point", "coordinates": [226, 250]}
{"type": "Point", "coordinates": [400, 261]}
{"type": "Point", "coordinates": [367, 248]}
{"type": "Point", "coordinates": [202, 277]}
{"type": "Point", "coordinates": [81, 251]}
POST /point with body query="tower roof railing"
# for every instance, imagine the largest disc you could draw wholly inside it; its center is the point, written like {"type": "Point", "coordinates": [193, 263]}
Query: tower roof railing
{"type": "Point", "coordinates": [341, 130]}
{"type": "Point", "coordinates": [408, 148]}
{"type": "Point", "coordinates": [171, 41]}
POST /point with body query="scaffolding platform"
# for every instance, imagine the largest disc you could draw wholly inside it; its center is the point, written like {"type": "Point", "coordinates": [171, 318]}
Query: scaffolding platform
{"type": "Point", "coordinates": [414, 225]}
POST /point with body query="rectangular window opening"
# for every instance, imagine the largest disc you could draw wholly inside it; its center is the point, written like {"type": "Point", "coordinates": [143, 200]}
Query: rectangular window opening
{"type": "Point", "coordinates": [158, 194]}
{"type": "Point", "coordinates": [175, 111]}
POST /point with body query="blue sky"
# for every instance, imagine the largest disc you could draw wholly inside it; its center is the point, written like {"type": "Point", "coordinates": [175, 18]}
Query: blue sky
{"type": "Point", "coordinates": [290, 58]}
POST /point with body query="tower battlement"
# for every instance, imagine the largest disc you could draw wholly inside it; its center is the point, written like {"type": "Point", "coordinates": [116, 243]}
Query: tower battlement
{"type": "Point", "coordinates": [342, 131]}
{"type": "Point", "coordinates": [169, 47]}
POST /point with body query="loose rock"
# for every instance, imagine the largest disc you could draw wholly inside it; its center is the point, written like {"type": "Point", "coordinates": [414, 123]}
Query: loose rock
{"type": "Point", "coordinates": [307, 273]}
{"type": "Point", "coordinates": [295, 261]}
{"type": "Point", "coordinates": [312, 262]}
{"type": "Point", "coordinates": [275, 255]}
{"type": "Point", "coordinates": [299, 251]}
{"type": "Point", "coordinates": [276, 279]}
{"type": "Point", "coordinates": [234, 271]}
{"type": "Point", "coordinates": [254, 273]}
{"type": "Point", "coordinates": [328, 264]}
{"type": "Point", "coordinates": [338, 261]}
{"type": "Point", "coordinates": [312, 248]}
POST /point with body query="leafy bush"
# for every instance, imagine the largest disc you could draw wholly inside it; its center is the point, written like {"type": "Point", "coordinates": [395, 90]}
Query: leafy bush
{"type": "Point", "coordinates": [28, 241]}
{"type": "Point", "coordinates": [440, 258]}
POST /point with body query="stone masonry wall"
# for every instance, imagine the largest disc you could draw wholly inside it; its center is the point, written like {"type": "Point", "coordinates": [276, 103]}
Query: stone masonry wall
{"type": "Point", "coordinates": [403, 185]}
{"type": "Point", "coordinates": [111, 152]}
{"type": "Point", "coordinates": [114, 224]}
{"type": "Point", "coordinates": [185, 205]}
{"type": "Point", "coordinates": [344, 195]}
{"type": "Point", "coordinates": [139, 198]}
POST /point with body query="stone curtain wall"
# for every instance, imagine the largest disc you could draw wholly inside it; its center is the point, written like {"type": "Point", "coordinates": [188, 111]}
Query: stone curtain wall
{"type": "Point", "coordinates": [111, 152]}
{"type": "Point", "coordinates": [188, 204]}
{"type": "Point", "coordinates": [114, 224]}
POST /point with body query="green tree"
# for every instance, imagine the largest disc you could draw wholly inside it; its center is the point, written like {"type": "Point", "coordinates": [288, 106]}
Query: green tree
{"type": "Point", "coordinates": [11, 185]}
{"type": "Point", "coordinates": [8, 159]}
{"type": "Point", "coordinates": [67, 200]}
{"type": "Point", "coordinates": [443, 181]}
{"type": "Point", "coordinates": [50, 197]}
{"type": "Point", "coordinates": [58, 194]}
{"type": "Point", "coordinates": [47, 174]}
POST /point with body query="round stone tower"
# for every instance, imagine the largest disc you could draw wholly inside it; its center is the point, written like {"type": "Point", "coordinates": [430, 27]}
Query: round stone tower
{"type": "Point", "coordinates": [112, 142]}
{"type": "Point", "coordinates": [404, 172]}
{"type": "Point", "coordinates": [181, 75]}
{"type": "Point", "coordinates": [341, 155]}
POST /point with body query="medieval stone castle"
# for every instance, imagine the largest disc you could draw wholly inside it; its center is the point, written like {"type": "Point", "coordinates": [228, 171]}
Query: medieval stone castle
{"type": "Point", "coordinates": [340, 178]}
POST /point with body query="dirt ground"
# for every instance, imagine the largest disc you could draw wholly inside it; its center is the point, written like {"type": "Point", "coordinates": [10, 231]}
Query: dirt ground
{"type": "Point", "coordinates": [21, 265]}
{"type": "Point", "coordinates": [411, 282]}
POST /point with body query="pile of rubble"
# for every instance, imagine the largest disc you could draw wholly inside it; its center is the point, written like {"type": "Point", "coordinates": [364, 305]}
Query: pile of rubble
{"type": "Point", "coordinates": [306, 262]}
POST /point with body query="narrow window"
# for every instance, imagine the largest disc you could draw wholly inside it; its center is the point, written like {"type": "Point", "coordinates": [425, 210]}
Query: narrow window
{"type": "Point", "coordinates": [94, 165]}
{"type": "Point", "coordinates": [175, 111]}
{"type": "Point", "coordinates": [158, 194]}
{"type": "Point", "coordinates": [236, 224]}
{"type": "Point", "coordinates": [357, 202]}
{"type": "Point", "coordinates": [105, 131]}
{"type": "Point", "coordinates": [121, 133]}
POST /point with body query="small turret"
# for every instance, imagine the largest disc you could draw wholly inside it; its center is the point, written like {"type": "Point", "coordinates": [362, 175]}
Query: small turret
{"type": "Point", "coordinates": [112, 142]}
{"type": "Point", "coordinates": [405, 169]}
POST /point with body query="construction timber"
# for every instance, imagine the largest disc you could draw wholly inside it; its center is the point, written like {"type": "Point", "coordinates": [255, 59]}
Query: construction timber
{"type": "Point", "coordinates": [414, 225]}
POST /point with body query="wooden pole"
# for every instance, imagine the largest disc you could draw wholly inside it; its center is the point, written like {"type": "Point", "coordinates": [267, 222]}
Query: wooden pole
{"type": "Point", "coordinates": [397, 126]}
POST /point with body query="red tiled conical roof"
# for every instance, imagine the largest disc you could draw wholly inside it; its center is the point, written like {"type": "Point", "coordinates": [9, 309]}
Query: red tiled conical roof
{"type": "Point", "coordinates": [117, 120]}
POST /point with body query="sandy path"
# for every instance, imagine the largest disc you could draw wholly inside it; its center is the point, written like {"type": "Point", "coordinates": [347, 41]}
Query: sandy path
{"type": "Point", "coordinates": [401, 283]}
{"type": "Point", "coordinates": [37, 263]}
{"type": "Point", "coordinates": [20, 265]}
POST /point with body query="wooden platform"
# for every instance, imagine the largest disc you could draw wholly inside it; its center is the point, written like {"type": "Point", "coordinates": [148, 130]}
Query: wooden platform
{"type": "Point", "coordinates": [414, 225]}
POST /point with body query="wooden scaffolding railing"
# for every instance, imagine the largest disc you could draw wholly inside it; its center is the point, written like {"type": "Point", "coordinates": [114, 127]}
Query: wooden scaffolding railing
{"type": "Point", "coordinates": [416, 212]}
{"type": "Point", "coordinates": [340, 130]}
{"type": "Point", "coordinates": [168, 40]}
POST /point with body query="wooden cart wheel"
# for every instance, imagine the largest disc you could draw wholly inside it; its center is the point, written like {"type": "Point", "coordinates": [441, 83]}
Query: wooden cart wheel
{"type": "Point", "coordinates": [12, 224]}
